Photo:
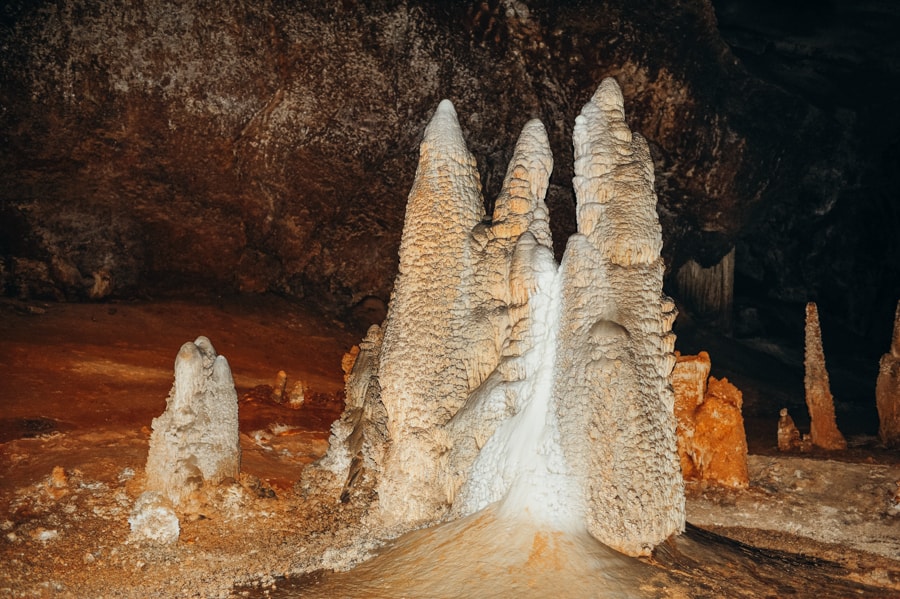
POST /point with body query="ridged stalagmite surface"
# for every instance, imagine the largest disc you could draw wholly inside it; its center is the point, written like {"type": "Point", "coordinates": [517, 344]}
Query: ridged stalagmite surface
{"type": "Point", "coordinates": [613, 388]}
{"type": "Point", "coordinates": [196, 439]}
{"type": "Point", "coordinates": [823, 430]}
{"type": "Point", "coordinates": [887, 390]}
{"type": "Point", "coordinates": [503, 379]}
{"type": "Point", "coordinates": [422, 374]}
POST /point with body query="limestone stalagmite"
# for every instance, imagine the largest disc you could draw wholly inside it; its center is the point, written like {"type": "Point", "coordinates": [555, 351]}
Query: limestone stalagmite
{"type": "Point", "coordinates": [712, 444]}
{"type": "Point", "coordinates": [788, 434]}
{"type": "Point", "coordinates": [615, 342]}
{"type": "Point", "coordinates": [500, 378]}
{"type": "Point", "coordinates": [823, 432]}
{"type": "Point", "coordinates": [196, 439]}
{"type": "Point", "coordinates": [887, 390]}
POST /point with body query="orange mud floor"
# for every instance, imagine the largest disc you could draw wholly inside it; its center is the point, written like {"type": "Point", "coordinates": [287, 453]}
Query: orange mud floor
{"type": "Point", "coordinates": [81, 383]}
{"type": "Point", "coordinates": [106, 369]}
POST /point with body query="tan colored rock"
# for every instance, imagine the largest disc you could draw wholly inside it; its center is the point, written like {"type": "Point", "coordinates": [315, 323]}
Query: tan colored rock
{"type": "Point", "coordinates": [887, 390]}
{"type": "Point", "coordinates": [280, 386]}
{"type": "Point", "coordinates": [712, 444]}
{"type": "Point", "coordinates": [824, 432]}
{"type": "Point", "coordinates": [788, 434]}
{"type": "Point", "coordinates": [195, 441]}
{"type": "Point", "coordinates": [615, 358]}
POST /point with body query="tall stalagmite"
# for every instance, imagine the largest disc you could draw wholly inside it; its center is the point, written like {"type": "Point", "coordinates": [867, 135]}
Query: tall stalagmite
{"type": "Point", "coordinates": [615, 342]}
{"type": "Point", "coordinates": [823, 431]}
{"type": "Point", "coordinates": [422, 374]}
{"type": "Point", "coordinates": [504, 379]}
{"type": "Point", "coordinates": [195, 440]}
{"type": "Point", "coordinates": [887, 390]}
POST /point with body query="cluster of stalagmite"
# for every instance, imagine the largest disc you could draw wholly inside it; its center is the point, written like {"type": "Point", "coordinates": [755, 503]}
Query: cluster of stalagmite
{"type": "Point", "coordinates": [500, 377]}
{"type": "Point", "coordinates": [195, 440]}
{"type": "Point", "coordinates": [712, 444]}
{"type": "Point", "coordinates": [823, 432]}
{"type": "Point", "coordinates": [887, 390]}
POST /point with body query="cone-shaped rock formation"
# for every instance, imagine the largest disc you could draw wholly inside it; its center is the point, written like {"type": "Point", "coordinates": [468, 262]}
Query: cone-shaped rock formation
{"type": "Point", "coordinates": [823, 430]}
{"type": "Point", "coordinates": [887, 390]}
{"type": "Point", "coordinates": [196, 439]}
{"type": "Point", "coordinates": [500, 378]}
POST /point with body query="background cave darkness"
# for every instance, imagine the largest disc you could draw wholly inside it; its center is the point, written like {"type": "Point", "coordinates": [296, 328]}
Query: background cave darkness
{"type": "Point", "coordinates": [211, 148]}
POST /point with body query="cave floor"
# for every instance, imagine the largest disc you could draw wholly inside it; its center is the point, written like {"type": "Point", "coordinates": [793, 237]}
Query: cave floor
{"type": "Point", "coordinates": [81, 383]}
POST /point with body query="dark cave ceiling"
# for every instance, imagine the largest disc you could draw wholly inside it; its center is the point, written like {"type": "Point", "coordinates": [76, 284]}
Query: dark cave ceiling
{"type": "Point", "coordinates": [270, 146]}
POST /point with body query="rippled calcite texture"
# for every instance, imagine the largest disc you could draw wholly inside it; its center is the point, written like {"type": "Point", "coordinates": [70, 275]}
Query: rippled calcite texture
{"type": "Point", "coordinates": [195, 440]}
{"type": "Point", "coordinates": [500, 377]}
{"type": "Point", "coordinates": [712, 443]}
{"type": "Point", "coordinates": [887, 390]}
{"type": "Point", "coordinates": [823, 430]}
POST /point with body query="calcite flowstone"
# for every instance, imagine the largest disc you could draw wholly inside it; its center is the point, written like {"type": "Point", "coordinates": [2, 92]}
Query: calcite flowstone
{"type": "Point", "coordinates": [712, 444]}
{"type": "Point", "coordinates": [823, 430]}
{"type": "Point", "coordinates": [887, 390]}
{"type": "Point", "coordinates": [500, 377]}
{"type": "Point", "coordinates": [195, 440]}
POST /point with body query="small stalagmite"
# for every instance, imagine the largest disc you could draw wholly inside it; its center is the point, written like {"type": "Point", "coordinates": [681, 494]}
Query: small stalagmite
{"type": "Point", "coordinates": [788, 433]}
{"type": "Point", "coordinates": [887, 390]}
{"type": "Point", "coordinates": [712, 444]}
{"type": "Point", "coordinates": [824, 432]}
{"type": "Point", "coordinates": [195, 440]}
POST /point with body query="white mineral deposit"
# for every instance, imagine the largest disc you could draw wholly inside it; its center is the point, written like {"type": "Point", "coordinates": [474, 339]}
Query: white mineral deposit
{"type": "Point", "coordinates": [195, 441]}
{"type": "Point", "coordinates": [546, 391]}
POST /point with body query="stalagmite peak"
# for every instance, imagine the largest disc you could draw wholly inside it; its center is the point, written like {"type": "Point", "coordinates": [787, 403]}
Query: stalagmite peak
{"type": "Point", "coordinates": [504, 378]}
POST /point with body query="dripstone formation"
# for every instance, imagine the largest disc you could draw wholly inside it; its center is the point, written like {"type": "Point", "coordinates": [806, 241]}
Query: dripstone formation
{"type": "Point", "coordinates": [712, 444]}
{"type": "Point", "coordinates": [501, 378]}
{"type": "Point", "coordinates": [195, 441]}
{"type": "Point", "coordinates": [887, 390]}
{"type": "Point", "coordinates": [823, 430]}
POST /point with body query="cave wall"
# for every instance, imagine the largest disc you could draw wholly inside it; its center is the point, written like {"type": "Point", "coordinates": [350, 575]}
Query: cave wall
{"type": "Point", "coordinates": [268, 146]}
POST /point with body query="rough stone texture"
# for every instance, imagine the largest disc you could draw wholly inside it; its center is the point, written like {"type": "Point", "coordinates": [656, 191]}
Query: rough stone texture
{"type": "Point", "coordinates": [615, 345]}
{"type": "Point", "coordinates": [712, 444]}
{"type": "Point", "coordinates": [260, 145]}
{"type": "Point", "coordinates": [195, 441]}
{"type": "Point", "coordinates": [501, 377]}
{"type": "Point", "coordinates": [153, 519]}
{"type": "Point", "coordinates": [887, 390]}
{"type": "Point", "coordinates": [788, 433]}
{"type": "Point", "coordinates": [823, 430]}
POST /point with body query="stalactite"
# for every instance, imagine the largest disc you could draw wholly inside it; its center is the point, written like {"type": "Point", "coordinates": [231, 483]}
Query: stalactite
{"type": "Point", "coordinates": [709, 292]}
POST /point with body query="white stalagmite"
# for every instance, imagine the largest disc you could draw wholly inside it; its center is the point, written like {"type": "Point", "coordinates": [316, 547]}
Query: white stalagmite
{"type": "Point", "coordinates": [615, 354]}
{"type": "Point", "coordinates": [196, 439]}
{"type": "Point", "coordinates": [504, 380]}
{"type": "Point", "coordinates": [423, 374]}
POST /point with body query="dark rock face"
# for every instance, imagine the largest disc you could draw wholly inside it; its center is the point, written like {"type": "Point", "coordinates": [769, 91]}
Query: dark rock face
{"type": "Point", "coordinates": [270, 146]}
